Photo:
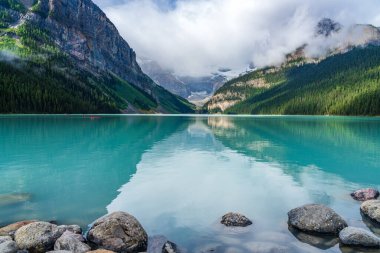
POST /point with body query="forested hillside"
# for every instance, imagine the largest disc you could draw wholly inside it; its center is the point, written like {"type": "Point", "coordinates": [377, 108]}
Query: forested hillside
{"type": "Point", "coordinates": [45, 71]}
{"type": "Point", "coordinates": [343, 84]}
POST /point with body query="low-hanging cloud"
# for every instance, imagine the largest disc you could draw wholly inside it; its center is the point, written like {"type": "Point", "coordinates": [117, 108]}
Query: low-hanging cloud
{"type": "Point", "coordinates": [197, 37]}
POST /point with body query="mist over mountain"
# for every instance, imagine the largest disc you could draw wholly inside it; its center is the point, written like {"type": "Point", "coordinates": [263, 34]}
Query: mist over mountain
{"type": "Point", "coordinates": [197, 37]}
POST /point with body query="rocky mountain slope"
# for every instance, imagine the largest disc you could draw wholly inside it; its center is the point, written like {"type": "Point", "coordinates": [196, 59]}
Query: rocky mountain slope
{"type": "Point", "coordinates": [343, 80]}
{"type": "Point", "coordinates": [78, 52]}
{"type": "Point", "coordinates": [194, 89]}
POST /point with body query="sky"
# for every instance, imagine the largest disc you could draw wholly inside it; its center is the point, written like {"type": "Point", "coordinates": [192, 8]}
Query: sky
{"type": "Point", "coordinates": [198, 37]}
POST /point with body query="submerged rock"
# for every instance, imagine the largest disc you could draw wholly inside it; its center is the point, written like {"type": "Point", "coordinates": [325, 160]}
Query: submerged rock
{"type": "Point", "coordinates": [320, 241]}
{"type": "Point", "coordinates": [266, 247]}
{"type": "Point", "coordinates": [14, 198]}
{"type": "Point", "coordinates": [8, 247]}
{"type": "Point", "coordinates": [371, 208]}
{"type": "Point", "coordinates": [317, 219]}
{"type": "Point", "coordinates": [170, 247]}
{"type": "Point", "coordinates": [37, 237]}
{"type": "Point", "coordinates": [11, 229]}
{"type": "Point", "coordinates": [155, 243]}
{"type": "Point", "coordinates": [119, 232]}
{"type": "Point", "coordinates": [235, 220]}
{"type": "Point", "coordinates": [365, 194]}
{"type": "Point", "coordinates": [358, 237]}
{"type": "Point", "coordinates": [71, 242]}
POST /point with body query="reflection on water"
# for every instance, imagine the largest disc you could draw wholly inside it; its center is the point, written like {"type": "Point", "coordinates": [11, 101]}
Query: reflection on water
{"type": "Point", "coordinates": [179, 175]}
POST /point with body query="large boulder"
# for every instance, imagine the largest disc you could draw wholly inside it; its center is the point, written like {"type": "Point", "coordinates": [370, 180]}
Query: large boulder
{"type": "Point", "coordinates": [316, 219]}
{"type": "Point", "coordinates": [11, 229]}
{"type": "Point", "coordinates": [8, 247]}
{"type": "Point", "coordinates": [365, 194]}
{"type": "Point", "coordinates": [37, 237]}
{"type": "Point", "coordinates": [358, 237]}
{"type": "Point", "coordinates": [71, 242]}
{"type": "Point", "coordinates": [235, 220]}
{"type": "Point", "coordinates": [371, 208]}
{"type": "Point", "coordinates": [119, 232]}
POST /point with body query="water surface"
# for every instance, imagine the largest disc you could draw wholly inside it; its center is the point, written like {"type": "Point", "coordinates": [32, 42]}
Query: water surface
{"type": "Point", "coordinates": [179, 175]}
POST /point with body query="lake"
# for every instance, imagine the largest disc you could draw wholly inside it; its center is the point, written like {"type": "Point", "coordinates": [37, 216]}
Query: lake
{"type": "Point", "coordinates": [179, 174]}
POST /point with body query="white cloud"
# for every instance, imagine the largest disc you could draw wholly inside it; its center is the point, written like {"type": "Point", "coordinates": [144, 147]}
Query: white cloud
{"type": "Point", "coordinates": [197, 37]}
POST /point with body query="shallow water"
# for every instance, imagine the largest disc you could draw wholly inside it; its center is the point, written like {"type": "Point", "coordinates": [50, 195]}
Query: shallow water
{"type": "Point", "coordinates": [178, 175]}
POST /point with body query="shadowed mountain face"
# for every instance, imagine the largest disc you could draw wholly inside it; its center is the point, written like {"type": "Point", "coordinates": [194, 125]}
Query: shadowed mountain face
{"type": "Point", "coordinates": [75, 40]}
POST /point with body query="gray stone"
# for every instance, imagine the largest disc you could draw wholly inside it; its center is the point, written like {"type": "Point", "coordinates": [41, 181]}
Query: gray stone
{"type": "Point", "coordinates": [11, 228]}
{"type": "Point", "coordinates": [371, 208]}
{"type": "Point", "coordinates": [155, 243]}
{"type": "Point", "coordinates": [8, 247]}
{"type": "Point", "coordinates": [358, 237]}
{"type": "Point", "coordinates": [5, 238]}
{"type": "Point", "coordinates": [59, 251]}
{"type": "Point", "coordinates": [119, 232]}
{"type": "Point", "coordinates": [170, 247]}
{"type": "Point", "coordinates": [37, 237]}
{"type": "Point", "coordinates": [317, 219]}
{"type": "Point", "coordinates": [71, 242]}
{"type": "Point", "coordinates": [365, 194]}
{"type": "Point", "coordinates": [235, 220]}
{"type": "Point", "coordinates": [72, 228]}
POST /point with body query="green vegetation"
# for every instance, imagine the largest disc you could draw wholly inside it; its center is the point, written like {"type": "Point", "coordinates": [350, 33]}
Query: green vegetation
{"type": "Point", "coordinates": [345, 84]}
{"type": "Point", "coordinates": [37, 77]}
{"type": "Point", "coordinates": [13, 5]}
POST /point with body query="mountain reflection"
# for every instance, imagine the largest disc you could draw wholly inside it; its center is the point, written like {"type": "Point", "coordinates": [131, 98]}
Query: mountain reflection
{"type": "Point", "coordinates": [261, 167]}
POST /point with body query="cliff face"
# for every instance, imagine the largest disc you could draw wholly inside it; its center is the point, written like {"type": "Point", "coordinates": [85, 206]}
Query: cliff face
{"type": "Point", "coordinates": [81, 29]}
{"type": "Point", "coordinates": [74, 40]}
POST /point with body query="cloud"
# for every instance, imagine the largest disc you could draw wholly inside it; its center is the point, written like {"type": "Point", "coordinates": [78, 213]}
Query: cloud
{"type": "Point", "coordinates": [197, 37]}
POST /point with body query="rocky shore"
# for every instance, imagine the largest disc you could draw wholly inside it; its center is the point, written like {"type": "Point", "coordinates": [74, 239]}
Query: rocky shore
{"type": "Point", "coordinates": [121, 232]}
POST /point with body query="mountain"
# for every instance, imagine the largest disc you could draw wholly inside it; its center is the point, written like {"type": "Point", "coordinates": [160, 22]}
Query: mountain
{"type": "Point", "coordinates": [195, 89]}
{"type": "Point", "coordinates": [343, 81]}
{"type": "Point", "coordinates": [65, 56]}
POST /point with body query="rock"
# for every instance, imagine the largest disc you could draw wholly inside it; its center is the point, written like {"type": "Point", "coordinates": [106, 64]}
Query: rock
{"type": "Point", "coordinates": [320, 241]}
{"type": "Point", "coordinates": [266, 247]}
{"type": "Point", "coordinates": [37, 237]}
{"type": "Point", "coordinates": [371, 208]}
{"type": "Point", "coordinates": [317, 219]}
{"type": "Point", "coordinates": [155, 243]}
{"type": "Point", "coordinates": [14, 198]}
{"type": "Point", "coordinates": [358, 237]}
{"type": "Point", "coordinates": [72, 228]}
{"type": "Point", "coordinates": [71, 242]}
{"type": "Point", "coordinates": [235, 220]}
{"type": "Point", "coordinates": [11, 229]}
{"type": "Point", "coordinates": [119, 232]}
{"type": "Point", "coordinates": [365, 194]}
{"type": "Point", "coordinates": [59, 251]}
{"type": "Point", "coordinates": [5, 238]}
{"type": "Point", "coordinates": [101, 251]}
{"type": "Point", "coordinates": [8, 247]}
{"type": "Point", "coordinates": [170, 247]}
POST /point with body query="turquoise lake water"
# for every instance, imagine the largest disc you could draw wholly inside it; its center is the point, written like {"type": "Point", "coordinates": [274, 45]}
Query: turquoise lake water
{"type": "Point", "coordinates": [178, 175]}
